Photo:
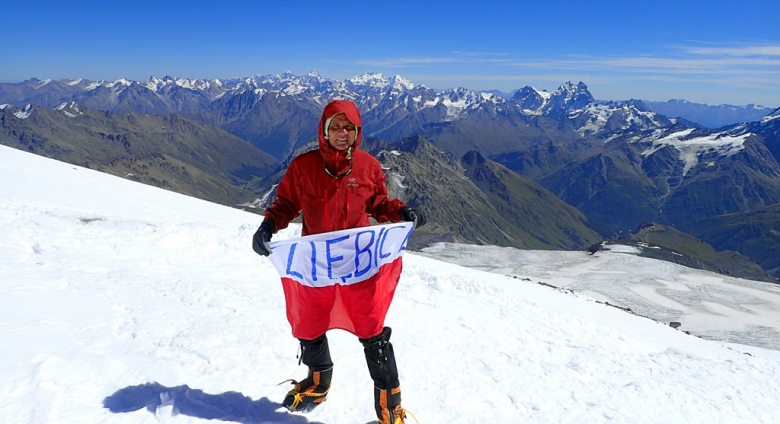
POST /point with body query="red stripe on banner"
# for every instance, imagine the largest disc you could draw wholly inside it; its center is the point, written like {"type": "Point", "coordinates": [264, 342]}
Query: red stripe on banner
{"type": "Point", "coordinates": [359, 308]}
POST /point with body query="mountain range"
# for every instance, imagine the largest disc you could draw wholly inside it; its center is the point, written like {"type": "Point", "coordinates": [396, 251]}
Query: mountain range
{"type": "Point", "coordinates": [618, 163]}
{"type": "Point", "coordinates": [709, 116]}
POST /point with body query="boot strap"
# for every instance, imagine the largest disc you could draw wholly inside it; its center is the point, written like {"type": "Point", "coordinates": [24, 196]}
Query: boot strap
{"type": "Point", "coordinates": [298, 397]}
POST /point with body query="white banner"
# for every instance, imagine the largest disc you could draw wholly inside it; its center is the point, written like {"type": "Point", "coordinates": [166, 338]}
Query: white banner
{"type": "Point", "coordinates": [340, 257]}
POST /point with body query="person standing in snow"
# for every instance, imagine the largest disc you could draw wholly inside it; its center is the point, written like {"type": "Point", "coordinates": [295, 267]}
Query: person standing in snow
{"type": "Point", "coordinates": [338, 187]}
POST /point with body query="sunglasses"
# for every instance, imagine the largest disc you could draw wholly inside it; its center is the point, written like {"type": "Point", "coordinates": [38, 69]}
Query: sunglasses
{"type": "Point", "coordinates": [338, 127]}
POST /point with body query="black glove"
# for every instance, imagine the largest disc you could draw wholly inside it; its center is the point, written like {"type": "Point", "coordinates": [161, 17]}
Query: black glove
{"type": "Point", "coordinates": [262, 237]}
{"type": "Point", "coordinates": [415, 215]}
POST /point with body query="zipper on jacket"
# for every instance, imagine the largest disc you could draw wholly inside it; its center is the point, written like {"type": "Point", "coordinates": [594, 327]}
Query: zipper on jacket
{"type": "Point", "coordinates": [327, 218]}
{"type": "Point", "coordinates": [346, 215]}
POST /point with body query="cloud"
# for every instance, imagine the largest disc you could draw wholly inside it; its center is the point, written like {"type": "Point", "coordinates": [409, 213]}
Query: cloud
{"type": "Point", "coordinates": [766, 50]}
{"type": "Point", "coordinates": [754, 66]}
{"type": "Point", "coordinates": [455, 57]}
{"type": "Point", "coordinates": [748, 72]}
{"type": "Point", "coordinates": [404, 61]}
{"type": "Point", "coordinates": [481, 54]}
{"type": "Point", "coordinates": [753, 60]}
{"type": "Point", "coordinates": [663, 65]}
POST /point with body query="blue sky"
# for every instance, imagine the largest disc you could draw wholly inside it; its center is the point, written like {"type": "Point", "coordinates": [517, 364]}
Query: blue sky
{"type": "Point", "coordinates": [711, 52]}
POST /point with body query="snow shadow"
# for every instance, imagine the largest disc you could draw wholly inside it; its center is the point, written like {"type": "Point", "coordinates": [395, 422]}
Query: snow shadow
{"type": "Point", "coordinates": [229, 406]}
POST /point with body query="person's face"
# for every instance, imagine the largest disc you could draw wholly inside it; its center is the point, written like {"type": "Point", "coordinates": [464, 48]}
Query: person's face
{"type": "Point", "coordinates": [341, 132]}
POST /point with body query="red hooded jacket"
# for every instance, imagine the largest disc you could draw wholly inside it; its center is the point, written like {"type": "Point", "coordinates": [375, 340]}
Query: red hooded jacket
{"type": "Point", "coordinates": [331, 203]}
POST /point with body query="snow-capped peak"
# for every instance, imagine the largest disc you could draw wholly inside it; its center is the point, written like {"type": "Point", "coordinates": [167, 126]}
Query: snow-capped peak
{"type": "Point", "coordinates": [531, 100]}
{"type": "Point", "coordinates": [402, 83]}
{"type": "Point", "coordinates": [193, 84]}
{"type": "Point", "coordinates": [691, 146]}
{"type": "Point", "coordinates": [621, 116]}
{"type": "Point", "coordinates": [771, 117]}
{"type": "Point", "coordinates": [70, 109]}
{"type": "Point", "coordinates": [569, 92]}
{"type": "Point", "coordinates": [154, 83]}
{"type": "Point", "coordinates": [543, 93]}
{"type": "Point", "coordinates": [24, 113]}
{"type": "Point", "coordinates": [369, 79]}
{"type": "Point", "coordinates": [568, 98]}
{"type": "Point", "coordinates": [122, 82]}
{"type": "Point", "coordinates": [285, 83]}
{"type": "Point", "coordinates": [571, 87]}
{"type": "Point", "coordinates": [94, 85]}
{"type": "Point", "coordinates": [44, 82]}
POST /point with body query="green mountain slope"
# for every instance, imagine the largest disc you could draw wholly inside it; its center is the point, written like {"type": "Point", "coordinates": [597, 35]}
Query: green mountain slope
{"type": "Point", "coordinates": [170, 151]}
{"type": "Point", "coordinates": [667, 243]}
{"type": "Point", "coordinates": [755, 234]}
{"type": "Point", "coordinates": [476, 200]}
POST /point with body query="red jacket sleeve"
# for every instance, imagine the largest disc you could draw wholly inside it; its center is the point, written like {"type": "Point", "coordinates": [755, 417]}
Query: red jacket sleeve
{"type": "Point", "coordinates": [287, 205]}
{"type": "Point", "coordinates": [382, 208]}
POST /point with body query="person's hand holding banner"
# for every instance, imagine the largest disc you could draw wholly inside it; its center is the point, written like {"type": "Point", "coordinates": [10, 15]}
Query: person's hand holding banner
{"type": "Point", "coordinates": [262, 237]}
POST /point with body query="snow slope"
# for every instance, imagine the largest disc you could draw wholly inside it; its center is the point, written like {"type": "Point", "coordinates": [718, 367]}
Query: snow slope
{"type": "Point", "coordinates": [123, 303]}
{"type": "Point", "coordinates": [709, 305]}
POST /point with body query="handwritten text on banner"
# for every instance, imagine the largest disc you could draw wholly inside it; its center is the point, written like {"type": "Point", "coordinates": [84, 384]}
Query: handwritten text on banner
{"type": "Point", "coordinates": [340, 257]}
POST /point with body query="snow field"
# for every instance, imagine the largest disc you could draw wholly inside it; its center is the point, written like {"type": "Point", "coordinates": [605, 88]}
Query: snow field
{"type": "Point", "coordinates": [107, 285]}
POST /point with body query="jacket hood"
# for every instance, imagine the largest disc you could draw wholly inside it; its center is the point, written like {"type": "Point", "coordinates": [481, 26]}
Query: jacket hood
{"type": "Point", "coordinates": [353, 114]}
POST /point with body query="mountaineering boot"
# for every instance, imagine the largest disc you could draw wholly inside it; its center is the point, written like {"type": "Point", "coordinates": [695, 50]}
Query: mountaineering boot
{"type": "Point", "coordinates": [388, 406]}
{"type": "Point", "coordinates": [309, 393]}
{"type": "Point", "coordinates": [313, 390]}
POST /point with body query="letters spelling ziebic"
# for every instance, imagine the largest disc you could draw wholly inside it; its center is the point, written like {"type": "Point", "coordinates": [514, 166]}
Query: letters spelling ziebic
{"type": "Point", "coordinates": [357, 254]}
